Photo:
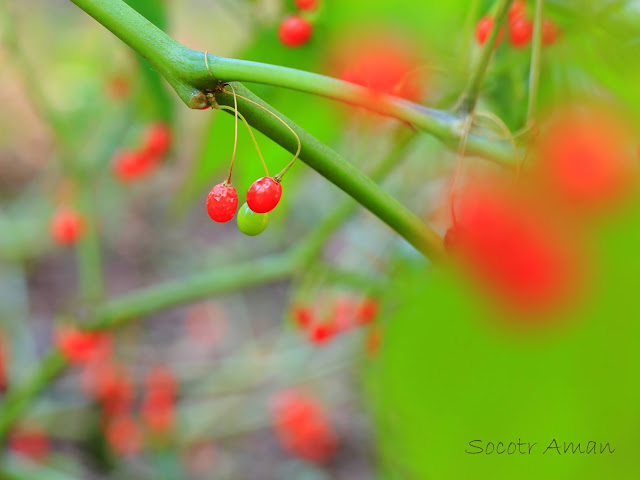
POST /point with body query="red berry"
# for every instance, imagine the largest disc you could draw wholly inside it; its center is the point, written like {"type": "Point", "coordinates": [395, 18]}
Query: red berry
{"type": "Point", "coordinates": [83, 347]}
{"type": "Point", "coordinates": [157, 412]}
{"type": "Point", "coordinates": [110, 385]}
{"type": "Point", "coordinates": [483, 29]}
{"type": "Point", "coordinates": [303, 315]}
{"type": "Point", "coordinates": [367, 311]}
{"type": "Point", "coordinates": [67, 226]}
{"type": "Point", "coordinates": [549, 32]}
{"type": "Point", "coordinates": [132, 165]}
{"type": "Point", "coordinates": [161, 380]}
{"type": "Point", "coordinates": [123, 434]}
{"type": "Point", "coordinates": [321, 333]}
{"type": "Point", "coordinates": [518, 10]}
{"type": "Point", "coordinates": [520, 32]}
{"type": "Point", "coordinates": [222, 203]}
{"type": "Point", "coordinates": [307, 5]}
{"type": "Point", "coordinates": [264, 194]}
{"type": "Point", "coordinates": [31, 444]}
{"type": "Point", "coordinates": [295, 31]}
{"type": "Point", "coordinates": [157, 139]}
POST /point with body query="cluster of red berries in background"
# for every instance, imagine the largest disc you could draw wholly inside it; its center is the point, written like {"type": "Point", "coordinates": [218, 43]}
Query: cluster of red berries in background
{"type": "Point", "coordinates": [263, 196]}
{"type": "Point", "coordinates": [520, 28]}
{"type": "Point", "coordinates": [109, 384]}
{"type": "Point", "coordinates": [322, 324]}
{"type": "Point", "coordinates": [134, 164]}
{"type": "Point", "coordinates": [296, 29]}
{"type": "Point", "coordinates": [303, 427]}
{"type": "Point", "coordinates": [67, 226]}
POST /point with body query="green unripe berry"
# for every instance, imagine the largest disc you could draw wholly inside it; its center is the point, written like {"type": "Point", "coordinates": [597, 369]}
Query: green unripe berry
{"type": "Point", "coordinates": [252, 223]}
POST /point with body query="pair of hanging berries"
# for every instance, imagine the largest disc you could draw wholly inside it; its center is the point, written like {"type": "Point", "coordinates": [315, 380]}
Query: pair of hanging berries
{"type": "Point", "coordinates": [262, 197]}
{"type": "Point", "coordinates": [520, 28]}
{"type": "Point", "coordinates": [130, 165]}
{"type": "Point", "coordinates": [296, 30]}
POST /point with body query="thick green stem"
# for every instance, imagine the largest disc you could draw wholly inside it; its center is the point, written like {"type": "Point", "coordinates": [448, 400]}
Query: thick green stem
{"type": "Point", "coordinates": [534, 69]}
{"type": "Point", "coordinates": [470, 96]}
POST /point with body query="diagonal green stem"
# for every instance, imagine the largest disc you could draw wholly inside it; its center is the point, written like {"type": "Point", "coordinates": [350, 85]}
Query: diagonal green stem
{"type": "Point", "coordinates": [470, 96]}
{"type": "Point", "coordinates": [534, 69]}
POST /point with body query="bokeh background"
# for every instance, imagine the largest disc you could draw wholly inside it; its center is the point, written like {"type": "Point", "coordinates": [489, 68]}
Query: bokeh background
{"type": "Point", "coordinates": [436, 366]}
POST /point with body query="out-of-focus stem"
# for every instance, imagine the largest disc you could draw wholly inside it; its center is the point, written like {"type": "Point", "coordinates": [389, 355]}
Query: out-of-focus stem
{"type": "Point", "coordinates": [534, 70]}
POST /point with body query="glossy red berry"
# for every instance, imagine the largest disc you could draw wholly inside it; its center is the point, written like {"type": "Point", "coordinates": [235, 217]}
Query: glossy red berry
{"type": "Point", "coordinates": [517, 10]}
{"type": "Point", "coordinates": [549, 32]}
{"type": "Point", "coordinates": [157, 139]}
{"type": "Point", "coordinates": [520, 32]}
{"type": "Point", "coordinates": [307, 5]}
{"type": "Point", "coordinates": [67, 226]}
{"type": "Point", "coordinates": [483, 30]}
{"type": "Point", "coordinates": [264, 194]}
{"type": "Point", "coordinates": [295, 31]}
{"type": "Point", "coordinates": [222, 203]}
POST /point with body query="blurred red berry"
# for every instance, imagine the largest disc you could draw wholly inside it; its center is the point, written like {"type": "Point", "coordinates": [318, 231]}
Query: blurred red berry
{"type": "Point", "coordinates": [81, 347]}
{"type": "Point", "coordinates": [110, 385]}
{"type": "Point", "coordinates": [344, 313]}
{"type": "Point", "coordinates": [157, 412]}
{"type": "Point", "coordinates": [584, 157]}
{"type": "Point", "coordinates": [384, 66]}
{"type": "Point", "coordinates": [302, 315]}
{"type": "Point", "coordinates": [157, 140]}
{"type": "Point", "coordinates": [517, 10]}
{"type": "Point", "coordinates": [307, 5]}
{"type": "Point", "coordinates": [67, 226]}
{"type": "Point", "coordinates": [161, 380]}
{"type": "Point", "coordinates": [373, 340]}
{"type": "Point", "coordinates": [123, 435]}
{"type": "Point", "coordinates": [303, 427]}
{"type": "Point", "coordinates": [549, 32]}
{"type": "Point", "coordinates": [222, 203]}
{"type": "Point", "coordinates": [118, 87]}
{"type": "Point", "coordinates": [321, 333]}
{"type": "Point", "coordinates": [131, 165]}
{"type": "Point", "coordinates": [295, 31]}
{"type": "Point", "coordinates": [31, 444]}
{"type": "Point", "coordinates": [483, 30]}
{"type": "Point", "coordinates": [520, 32]}
{"type": "Point", "coordinates": [513, 251]}
{"type": "Point", "coordinates": [367, 311]}
{"type": "Point", "coordinates": [264, 194]}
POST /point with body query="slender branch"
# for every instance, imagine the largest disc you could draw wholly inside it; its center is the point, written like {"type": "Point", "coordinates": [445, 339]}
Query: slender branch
{"type": "Point", "coordinates": [534, 70]}
{"type": "Point", "coordinates": [470, 96]}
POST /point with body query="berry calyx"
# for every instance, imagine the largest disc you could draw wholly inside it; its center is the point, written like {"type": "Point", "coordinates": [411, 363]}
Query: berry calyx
{"type": "Point", "coordinates": [483, 30]}
{"type": "Point", "coordinates": [67, 226]}
{"type": "Point", "coordinates": [520, 32]}
{"type": "Point", "coordinates": [306, 5]}
{"type": "Point", "coordinates": [264, 194]}
{"type": "Point", "coordinates": [222, 202]}
{"type": "Point", "coordinates": [251, 223]}
{"type": "Point", "coordinates": [295, 31]}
